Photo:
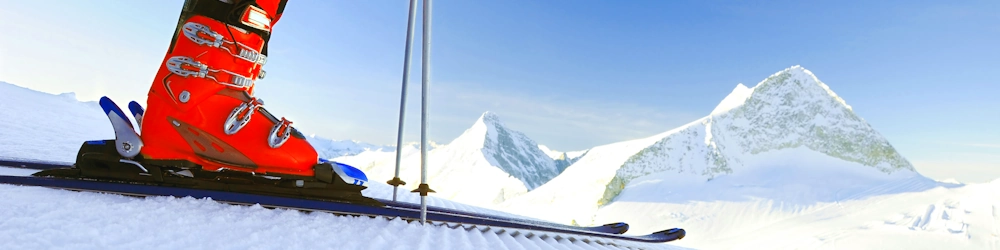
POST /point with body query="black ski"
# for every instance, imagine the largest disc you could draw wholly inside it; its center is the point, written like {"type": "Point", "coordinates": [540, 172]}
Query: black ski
{"type": "Point", "coordinates": [389, 211]}
{"type": "Point", "coordinates": [610, 228]}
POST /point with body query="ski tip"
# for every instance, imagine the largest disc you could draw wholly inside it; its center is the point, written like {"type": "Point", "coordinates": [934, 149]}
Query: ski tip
{"type": "Point", "coordinates": [621, 227]}
{"type": "Point", "coordinates": [109, 107]}
{"type": "Point", "coordinates": [135, 108]}
{"type": "Point", "coordinates": [675, 233]}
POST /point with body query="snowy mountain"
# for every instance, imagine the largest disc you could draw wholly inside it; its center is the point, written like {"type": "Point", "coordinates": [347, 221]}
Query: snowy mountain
{"type": "Point", "coordinates": [734, 99]}
{"type": "Point", "coordinates": [510, 150]}
{"type": "Point", "coordinates": [789, 109]}
{"type": "Point", "coordinates": [485, 165]}
{"type": "Point", "coordinates": [330, 149]}
{"type": "Point", "coordinates": [789, 140]}
{"type": "Point", "coordinates": [562, 159]}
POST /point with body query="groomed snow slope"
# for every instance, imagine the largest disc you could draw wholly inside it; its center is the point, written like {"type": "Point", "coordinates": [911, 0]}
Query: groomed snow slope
{"type": "Point", "coordinates": [908, 213]}
{"type": "Point", "coordinates": [42, 218]}
{"type": "Point", "coordinates": [50, 127]}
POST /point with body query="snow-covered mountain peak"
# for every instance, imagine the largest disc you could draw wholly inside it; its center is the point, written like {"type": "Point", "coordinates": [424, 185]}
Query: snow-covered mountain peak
{"type": "Point", "coordinates": [510, 150]}
{"type": "Point", "coordinates": [797, 83]}
{"type": "Point", "coordinates": [490, 118]}
{"type": "Point", "coordinates": [734, 99]}
{"type": "Point", "coordinates": [789, 110]}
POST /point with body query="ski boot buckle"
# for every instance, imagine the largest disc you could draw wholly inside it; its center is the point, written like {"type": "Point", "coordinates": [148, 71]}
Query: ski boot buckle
{"type": "Point", "coordinates": [205, 36]}
{"type": "Point", "coordinates": [279, 133]}
{"type": "Point", "coordinates": [241, 116]}
{"type": "Point", "coordinates": [185, 66]}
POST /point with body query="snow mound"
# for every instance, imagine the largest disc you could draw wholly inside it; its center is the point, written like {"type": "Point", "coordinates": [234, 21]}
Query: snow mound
{"type": "Point", "coordinates": [45, 126]}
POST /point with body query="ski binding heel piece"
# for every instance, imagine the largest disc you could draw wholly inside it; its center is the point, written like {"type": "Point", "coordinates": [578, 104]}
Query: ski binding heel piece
{"type": "Point", "coordinates": [137, 112]}
{"type": "Point", "coordinates": [127, 141]}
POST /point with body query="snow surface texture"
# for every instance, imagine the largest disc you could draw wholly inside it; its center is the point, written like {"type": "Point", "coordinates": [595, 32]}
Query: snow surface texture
{"type": "Point", "coordinates": [42, 218]}
{"type": "Point", "coordinates": [907, 213]}
{"type": "Point", "coordinates": [43, 126]}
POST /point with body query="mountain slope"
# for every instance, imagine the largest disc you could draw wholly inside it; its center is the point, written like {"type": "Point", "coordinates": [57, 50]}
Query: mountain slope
{"type": "Point", "coordinates": [510, 150]}
{"type": "Point", "coordinates": [487, 164]}
{"type": "Point", "coordinates": [787, 126]}
{"type": "Point", "coordinates": [330, 149]}
{"type": "Point", "coordinates": [789, 109]}
{"type": "Point", "coordinates": [562, 159]}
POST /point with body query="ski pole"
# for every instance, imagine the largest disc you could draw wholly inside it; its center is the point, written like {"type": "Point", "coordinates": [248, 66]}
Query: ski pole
{"type": "Point", "coordinates": [395, 182]}
{"type": "Point", "coordinates": [426, 70]}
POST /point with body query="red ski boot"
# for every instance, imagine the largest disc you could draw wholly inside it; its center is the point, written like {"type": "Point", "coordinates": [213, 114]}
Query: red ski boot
{"type": "Point", "coordinates": [203, 126]}
{"type": "Point", "coordinates": [201, 107]}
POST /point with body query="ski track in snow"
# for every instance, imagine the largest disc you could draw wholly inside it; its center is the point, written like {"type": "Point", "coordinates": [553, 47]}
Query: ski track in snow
{"type": "Point", "coordinates": [43, 218]}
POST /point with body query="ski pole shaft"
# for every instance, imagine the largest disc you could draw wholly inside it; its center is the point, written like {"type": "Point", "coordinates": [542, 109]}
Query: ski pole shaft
{"type": "Point", "coordinates": [402, 102]}
{"type": "Point", "coordinates": [426, 70]}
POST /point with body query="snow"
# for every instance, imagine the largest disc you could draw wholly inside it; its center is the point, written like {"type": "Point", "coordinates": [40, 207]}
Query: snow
{"type": "Point", "coordinates": [780, 153]}
{"type": "Point", "coordinates": [42, 218]}
{"type": "Point", "coordinates": [488, 164]}
{"type": "Point", "coordinates": [586, 178]}
{"type": "Point", "coordinates": [330, 149]}
{"type": "Point", "coordinates": [551, 153]}
{"type": "Point", "coordinates": [786, 164]}
{"type": "Point", "coordinates": [51, 127]}
{"type": "Point", "coordinates": [734, 99]}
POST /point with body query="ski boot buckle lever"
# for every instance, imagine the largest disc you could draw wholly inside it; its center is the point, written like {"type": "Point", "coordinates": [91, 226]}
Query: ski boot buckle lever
{"type": "Point", "coordinates": [185, 66]}
{"type": "Point", "coordinates": [279, 133]}
{"type": "Point", "coordinates": [241, 116]}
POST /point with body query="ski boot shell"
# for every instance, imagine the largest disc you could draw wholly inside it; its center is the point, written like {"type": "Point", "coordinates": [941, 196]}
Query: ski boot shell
{"type": "Point", "coordinates": [200, 106]}
{"type": "Point", "coordinates": [203, 128]}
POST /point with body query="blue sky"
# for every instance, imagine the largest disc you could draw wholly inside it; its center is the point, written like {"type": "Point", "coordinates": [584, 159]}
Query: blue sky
{"type": "Point", "coordinates": [569, 74]}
